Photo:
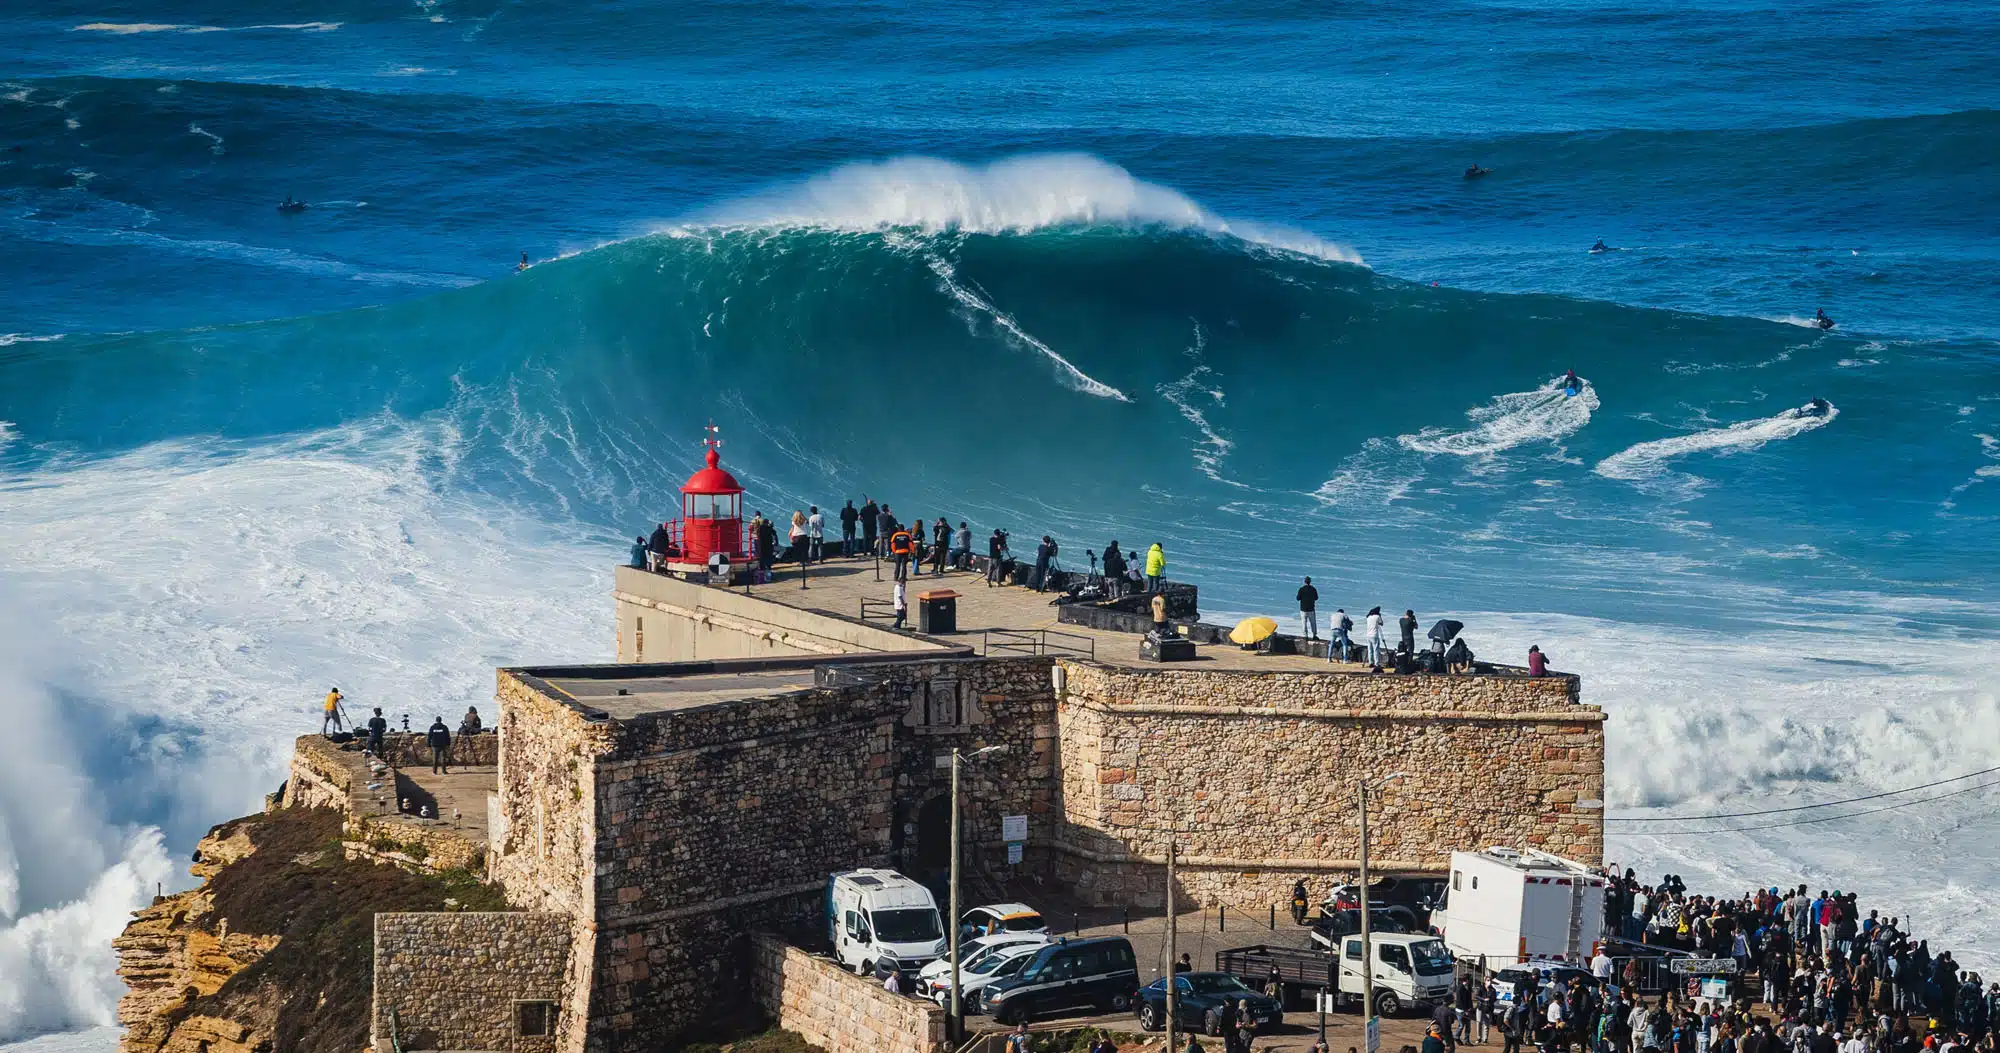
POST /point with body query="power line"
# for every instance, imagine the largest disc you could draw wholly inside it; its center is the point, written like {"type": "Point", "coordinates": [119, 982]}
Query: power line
{"type": "Point", "coordinates": [1831, 818]}
{"type": "Point", "coordinates": [1800, 807]}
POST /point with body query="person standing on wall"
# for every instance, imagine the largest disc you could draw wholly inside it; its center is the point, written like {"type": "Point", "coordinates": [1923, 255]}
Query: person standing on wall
{"type": "Point", "coordinates": [815, 534]}
{"type": "Point", "coordinates": [378, 726]}
{"type": "Point", "coordinates": [439, 740]}
{"type": "Point", "coordinates": [1373, 629]}
{"type": "Point", "coordinates": [331, 719]}
{"type": "Point", "coordinates": [1308, 600]}
{"type": "Point", "coordinates": [849, 516]}
{"type": "Point", "coordinates": [940, 544]}
{"type": "Point", "coordinates": [1408, 624]}
{"type": "Point", "coordinates": [1156, 567]}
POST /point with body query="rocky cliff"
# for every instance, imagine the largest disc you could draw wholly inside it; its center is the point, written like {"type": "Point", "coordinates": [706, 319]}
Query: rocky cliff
{"type": "Point", "coordinates": [273, 950]}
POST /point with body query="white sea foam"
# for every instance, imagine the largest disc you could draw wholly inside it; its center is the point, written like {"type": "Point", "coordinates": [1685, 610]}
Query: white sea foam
{"type": "Point", "coordinates": [26, 338]}
{"type": "Point", "coordinates": [1649, 460]}
{"type": "Point", "coordinates": [1743, 720]}
{"type": "Point", "coordinates": [1542, 415]}
{"type": "Point", "coordinates": [1802, 321]}
{"type": "Point", "coordinates": [9, 434]}
{"type": "Point", "coordinates": [1015, 195]}
{"type": "Point", "coordinates": [214, 140]}
{"type": "Point", "coordinates": [1073, 377]}
{"type": "Point", "coordinates": [238, 582]}
{"type": "Point", "coordinates": [1186, 395]}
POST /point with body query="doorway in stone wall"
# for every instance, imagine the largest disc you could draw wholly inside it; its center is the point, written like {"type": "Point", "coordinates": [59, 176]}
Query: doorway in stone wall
{"type": "Point", "coordinates": [933, 853]}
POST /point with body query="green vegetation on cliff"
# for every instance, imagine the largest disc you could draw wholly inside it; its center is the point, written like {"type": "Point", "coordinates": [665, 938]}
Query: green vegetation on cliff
{"type": "Point", "coordinates": [299, 886]}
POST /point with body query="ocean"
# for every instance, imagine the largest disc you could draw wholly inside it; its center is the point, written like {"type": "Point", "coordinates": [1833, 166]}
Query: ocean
{"type": "Point", "coordinates": [1210, 275]}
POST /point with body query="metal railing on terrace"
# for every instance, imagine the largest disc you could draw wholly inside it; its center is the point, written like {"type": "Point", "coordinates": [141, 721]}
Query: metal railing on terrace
{"type": "Point", "coordinates": [1036, 642]}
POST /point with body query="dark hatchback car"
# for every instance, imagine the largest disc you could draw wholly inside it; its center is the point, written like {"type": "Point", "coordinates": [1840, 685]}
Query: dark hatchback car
{"type": "Point", "coordinates": [1099, 973]}
{"type": "Point", "coordinates": [1330, 926]}
{"type": "Point", "coordinates": [1200, 997]}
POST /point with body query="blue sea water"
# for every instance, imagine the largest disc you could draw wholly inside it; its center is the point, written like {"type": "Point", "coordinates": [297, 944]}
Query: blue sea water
{"type": "Point", "coordinates": [1203, 274]}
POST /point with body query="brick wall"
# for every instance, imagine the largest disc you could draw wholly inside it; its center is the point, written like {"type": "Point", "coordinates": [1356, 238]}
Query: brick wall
{"type": "Point", "coordinates": [836, 1010]}
{"type": "Point", "coordinates": [454, 980]}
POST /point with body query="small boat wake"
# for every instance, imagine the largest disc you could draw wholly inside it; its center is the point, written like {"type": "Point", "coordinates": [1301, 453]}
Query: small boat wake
{"type": "Point", "coordinates": [1649, 460]}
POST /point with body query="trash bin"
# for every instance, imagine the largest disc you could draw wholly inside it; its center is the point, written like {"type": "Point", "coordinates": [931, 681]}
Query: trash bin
{"type": "Point", "coordinates": [937, 611]}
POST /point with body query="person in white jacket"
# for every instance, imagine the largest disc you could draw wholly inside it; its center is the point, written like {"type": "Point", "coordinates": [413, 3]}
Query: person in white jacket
{"type": "Point", "coordinates": [1373, 629]}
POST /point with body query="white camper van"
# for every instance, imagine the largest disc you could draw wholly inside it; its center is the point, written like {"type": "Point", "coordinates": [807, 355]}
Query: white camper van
{"type": "Point", "coordinates": [1511, 905]}
{"type": "Point", "coordinates": [879, 920]}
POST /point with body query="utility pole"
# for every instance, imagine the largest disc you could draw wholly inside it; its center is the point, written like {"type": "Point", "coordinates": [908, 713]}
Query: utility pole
{"type": "Point", "coordinates": [1368, 1024]}
{"type": "Point", "coordinates": [957, 1011]}
{"type": "Point", "coordinates": [1173, 951]}
{"type": "Point", "coordinates": [956, 1024]}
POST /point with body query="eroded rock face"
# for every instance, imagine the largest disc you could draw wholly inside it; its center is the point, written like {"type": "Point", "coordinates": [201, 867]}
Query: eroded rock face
{"type": "Point", "coordinates": [178, 950]}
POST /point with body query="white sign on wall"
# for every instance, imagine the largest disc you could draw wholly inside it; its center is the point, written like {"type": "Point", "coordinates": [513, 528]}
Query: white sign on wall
{"type": "Point", "coordinates": [1014, 853]}
{"type": "Point", "coordinates": [1013, 828]}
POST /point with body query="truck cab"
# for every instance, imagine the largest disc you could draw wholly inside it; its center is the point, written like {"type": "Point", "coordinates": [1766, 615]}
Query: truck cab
{"type": "Point", "coordinates": [1411, 970]}
{"type": "Point", "coordinates": [879, 921]}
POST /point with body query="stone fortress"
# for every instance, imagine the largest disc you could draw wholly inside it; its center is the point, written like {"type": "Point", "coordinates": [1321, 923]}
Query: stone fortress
{"type": "Point", "coordinates": [664, 826]}
{"type": "Point", "coordinates": [651, 816]}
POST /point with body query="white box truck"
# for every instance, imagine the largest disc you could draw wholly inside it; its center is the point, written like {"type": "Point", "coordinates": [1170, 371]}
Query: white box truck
{"type": "Point", "coordinates": [879, 921]}
{"type": "Point", "coordinates": [1511, 905]}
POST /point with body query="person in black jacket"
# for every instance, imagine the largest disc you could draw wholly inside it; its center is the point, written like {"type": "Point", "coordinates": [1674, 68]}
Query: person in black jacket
{"type": "Point", "coordinates": [871, 520]}
{"type": "Point", "coordinates": [377, 727]}
{"type": "Point", "coordinates": [439, 740]}
{"type": "Point", "coordinates": [1114, 570]}
{"type": "Point", "coordinates": [1308, 600]}
{"type": "Point", "coordinates": [848, 517]}
{"type": "Point", "coordinates": [1408, 623]}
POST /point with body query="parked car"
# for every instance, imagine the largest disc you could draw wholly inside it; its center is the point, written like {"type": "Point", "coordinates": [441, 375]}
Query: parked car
{"type": "Point", "coordinates": [1001, 917]}
{"type": "Point", "coordinates": [1099, 973]}
{"type": "Point", "coordinates": [1546, 972]}
{"type": "Point", "coordinates": [973, 949]}
{"type": "Point", "coordinates": [1199, 996]}
{"type": "Point", "coordinates": [1416, 894]}
{"type": "Point", "coordinates": [1332, 925]}
{"type": "Point", "coordinates": [997, 963]}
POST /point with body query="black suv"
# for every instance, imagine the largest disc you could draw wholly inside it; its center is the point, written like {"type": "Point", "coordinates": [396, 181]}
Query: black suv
{"type": "Point", "coordinates": [1098, 974]}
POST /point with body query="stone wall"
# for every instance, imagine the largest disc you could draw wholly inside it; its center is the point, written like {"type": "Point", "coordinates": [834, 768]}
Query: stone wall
{"type": "Point", "coordinates": [454, 980]}
{"type": "Point", "coordinates": [318, 778]}
{"type": "Point", "coordinates": [1258, 775]}
{"type": "Point", "coordinates": [836, 1010]}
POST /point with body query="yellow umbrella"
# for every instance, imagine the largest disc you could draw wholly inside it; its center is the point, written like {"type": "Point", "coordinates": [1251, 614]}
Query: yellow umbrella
{"type": "Point", "coordinates": [1253, 630]}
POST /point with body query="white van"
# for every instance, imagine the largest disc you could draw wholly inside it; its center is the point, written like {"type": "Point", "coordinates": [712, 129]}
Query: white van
{"type": "Point", "coordinates": [1511, 905]}
{"type": "Point", "coordinates": [1412, 970]}
{"type": "Point", "coordinates": [879, 921]}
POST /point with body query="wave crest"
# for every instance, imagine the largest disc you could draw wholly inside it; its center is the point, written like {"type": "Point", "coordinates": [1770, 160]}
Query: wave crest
{"type": "Point", "coordinates": [1015, 195]}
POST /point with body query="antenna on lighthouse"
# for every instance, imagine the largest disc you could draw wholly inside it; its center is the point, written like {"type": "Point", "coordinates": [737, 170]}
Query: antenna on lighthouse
{"type": "Point", "coordinates": [714, 440]}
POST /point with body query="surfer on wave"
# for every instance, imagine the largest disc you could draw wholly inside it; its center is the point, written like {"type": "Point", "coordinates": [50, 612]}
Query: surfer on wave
{"type": "Point", "coordinates": [1820, 319]}
{"type": "Point", "coordinates": [1474, 171]}
{"type": "Point", "coordinates": [1602, 247]}
{"type": "Point", "coordinates": [523, 265]}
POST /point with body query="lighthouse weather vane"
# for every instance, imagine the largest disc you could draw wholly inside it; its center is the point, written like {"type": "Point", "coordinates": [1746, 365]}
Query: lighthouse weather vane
{"type": "Point", "coordinates": [713, 441]}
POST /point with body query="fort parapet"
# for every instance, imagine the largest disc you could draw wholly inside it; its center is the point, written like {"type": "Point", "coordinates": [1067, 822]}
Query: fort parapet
{"type": "Point", "coordinates": [752, 740]}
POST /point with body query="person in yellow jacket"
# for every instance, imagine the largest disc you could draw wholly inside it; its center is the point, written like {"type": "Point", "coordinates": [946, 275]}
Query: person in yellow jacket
{"type": "Point", "coordinates": [333, 718]}
{"type": "Point", "coordinates": [1156, 566]}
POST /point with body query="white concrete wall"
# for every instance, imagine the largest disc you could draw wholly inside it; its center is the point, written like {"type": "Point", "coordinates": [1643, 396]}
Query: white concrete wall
{"type": "Point", "coordinates": [663, 619]}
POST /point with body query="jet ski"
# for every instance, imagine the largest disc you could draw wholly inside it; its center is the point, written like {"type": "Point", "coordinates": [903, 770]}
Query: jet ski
{"type": "Point", "coordinates": [1572, 385]}
{"type": "Point", "coordinates": [1475, 172]}
{"type": "Point", "coordinates": [289, 207]}
{"type": "Point", "coordinates": [1602, 247]}
{"type": "Point", "coordinates": [1818, 407]}
{"type": "Point", "coordinates": [1820, 319]}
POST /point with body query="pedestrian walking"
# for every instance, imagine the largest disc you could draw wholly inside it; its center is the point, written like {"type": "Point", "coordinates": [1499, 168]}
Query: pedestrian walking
{"type": "Point", "coordinates": [332, 719]}
{"type": "Point", "coordinates": [439, 740]}
{"type": "Point", "coordinates": [902, 547]}
{"type": "Point", "coordinates": [902, 599]}
{"type": "Point", "coordinates": [849, 516]}
{"type": "Point", "coordinates": [1308, 617]}
{"type": "Point", "coordinates": [1156, 567]}
{"type": "Point", "coordinates": [1373, 628]}
{"type": "Point", "coordinates": [815, 534]}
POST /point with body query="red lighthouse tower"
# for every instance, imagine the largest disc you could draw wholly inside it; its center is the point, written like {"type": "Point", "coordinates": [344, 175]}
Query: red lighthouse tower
{"type": "Point", "coordinates": [711, 511]}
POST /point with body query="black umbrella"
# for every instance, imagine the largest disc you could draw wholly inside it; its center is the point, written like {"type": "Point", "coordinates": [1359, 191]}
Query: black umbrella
{"type": "Point", "coordinates": [1445, 630]}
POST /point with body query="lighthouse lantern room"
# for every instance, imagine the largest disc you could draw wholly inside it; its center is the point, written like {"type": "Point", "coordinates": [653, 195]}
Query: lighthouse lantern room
{"type": "Point", "coordinates": [711, 511]}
